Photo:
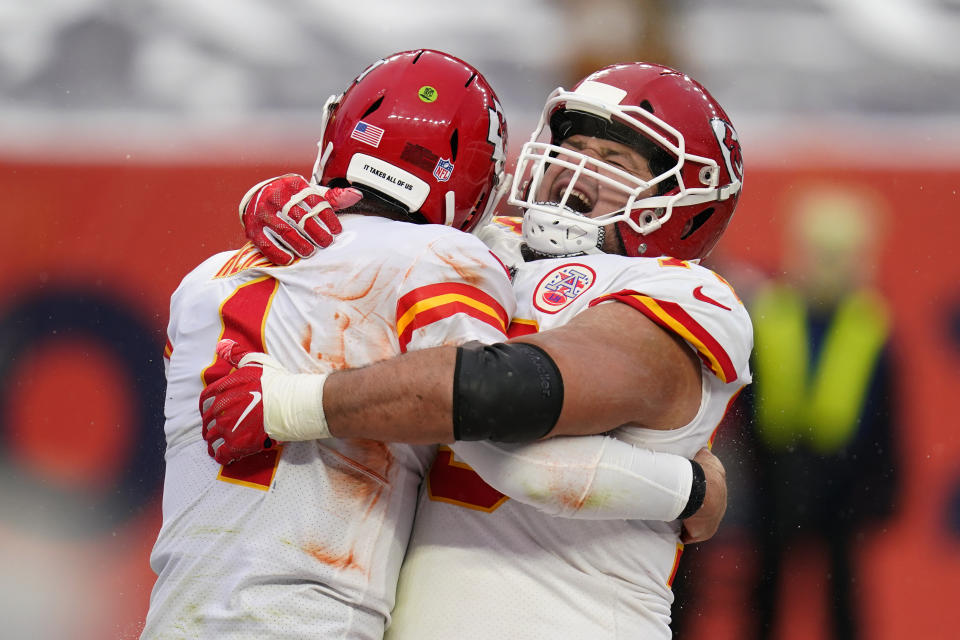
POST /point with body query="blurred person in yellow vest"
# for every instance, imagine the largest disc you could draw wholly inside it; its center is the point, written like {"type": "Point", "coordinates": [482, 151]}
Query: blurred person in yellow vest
{"type": "Point", "coordinates": [822, 407]}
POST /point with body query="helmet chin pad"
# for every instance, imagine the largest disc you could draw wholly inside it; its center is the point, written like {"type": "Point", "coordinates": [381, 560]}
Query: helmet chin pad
{"type": "Point", "coordinates": [561, 235]}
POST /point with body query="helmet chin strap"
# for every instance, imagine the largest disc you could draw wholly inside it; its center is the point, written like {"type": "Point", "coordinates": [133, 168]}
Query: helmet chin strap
{"type": "Point", "coordinates": [321, 161]}
{"type": "Point", "coordinates": [324, 152]}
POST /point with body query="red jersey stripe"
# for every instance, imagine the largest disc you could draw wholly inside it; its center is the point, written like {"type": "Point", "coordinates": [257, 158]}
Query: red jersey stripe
{"type": "Point", "coordinates": [426, 300]}
{"type": "Point", "coordinates": [726, 410]}
{"type": "Point", "coordinates": [522, 327]}
{"type": "Point", "coordinates": [441, 307]}
{"type": "Point", "coordinates": [506, 270]}
{"type": "Point", "coordinates": [673, 317]}
{"type": "Point", "coordinates": [420, 294]}
{"type": "Point", "coordinates": [676, 565]}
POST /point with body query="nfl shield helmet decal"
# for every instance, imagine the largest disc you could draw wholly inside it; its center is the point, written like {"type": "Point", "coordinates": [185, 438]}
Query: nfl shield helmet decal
{"type": "Point", "coordinates": [443, 170]}
{"type": "Point", "coordinates": [559, 288]}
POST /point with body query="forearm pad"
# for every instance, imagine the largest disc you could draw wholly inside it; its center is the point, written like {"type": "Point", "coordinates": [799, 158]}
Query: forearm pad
{"type": "Point", "coordinates": [505, 392]}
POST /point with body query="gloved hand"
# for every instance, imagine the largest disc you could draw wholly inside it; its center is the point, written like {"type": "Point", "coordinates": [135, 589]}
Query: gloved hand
{"type": "Point", "coordinates": [258, 404]}
{"type": "Point", "coordinates": [287, 217]}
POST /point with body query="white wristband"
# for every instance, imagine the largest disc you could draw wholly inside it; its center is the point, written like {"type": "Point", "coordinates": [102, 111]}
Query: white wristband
{"type": "Point", "coordinates": [292, 402]}
{"type": "Point", "coordinates": [293, 406]}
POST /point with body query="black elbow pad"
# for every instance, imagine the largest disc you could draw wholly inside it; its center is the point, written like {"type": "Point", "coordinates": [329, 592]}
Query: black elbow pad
{"type": "Point", "coordinates": [505, 392]}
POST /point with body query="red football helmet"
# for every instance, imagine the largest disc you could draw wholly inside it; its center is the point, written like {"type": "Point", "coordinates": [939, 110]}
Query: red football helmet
{"type": "Point", "coordinates": [422, 129]}
{"type": "Point", "coordinates": [675, 124]}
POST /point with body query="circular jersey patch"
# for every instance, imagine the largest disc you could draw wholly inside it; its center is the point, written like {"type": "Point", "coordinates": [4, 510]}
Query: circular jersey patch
{"type": "Point", "coordinates": [427, 93]}
{"type": "Point", "coordinates": [561, 286]}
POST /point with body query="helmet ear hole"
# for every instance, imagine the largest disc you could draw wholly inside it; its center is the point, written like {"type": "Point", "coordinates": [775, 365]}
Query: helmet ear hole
{"type": "Point", "coordinates": [454, 142]}
{"type": "Point", "coordinates": [373, 107]}
{"type": "Point", "coordinates": [696, 222]}
{"type": "Point", "coordinates": [475, 212]}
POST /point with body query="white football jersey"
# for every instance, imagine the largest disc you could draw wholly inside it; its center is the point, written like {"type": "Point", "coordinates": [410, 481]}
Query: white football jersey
{"type": "Point", "coordinates": [306, 539]}
{"type": "Point", "coordinates": [481, 565]}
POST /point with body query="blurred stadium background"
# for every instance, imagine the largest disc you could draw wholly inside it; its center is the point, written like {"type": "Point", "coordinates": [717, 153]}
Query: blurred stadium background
{"type": "Point", "coordinates": [130, 130]}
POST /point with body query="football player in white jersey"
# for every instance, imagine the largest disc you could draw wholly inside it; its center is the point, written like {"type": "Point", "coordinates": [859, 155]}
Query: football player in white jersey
{"type": "Point", "coordinates": [306, 538]}
{"type": "Point", "coordinates": [636, 181]}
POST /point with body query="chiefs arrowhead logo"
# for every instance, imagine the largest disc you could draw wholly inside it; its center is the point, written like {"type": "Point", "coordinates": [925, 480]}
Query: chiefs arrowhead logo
{"type": "Point", "coordinates": [730, 147]}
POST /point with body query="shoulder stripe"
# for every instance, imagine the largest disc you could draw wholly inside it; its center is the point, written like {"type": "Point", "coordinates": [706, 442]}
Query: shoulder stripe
{"type": "Point", "coordinates": [673, 317]}
{"type": "Point", "coordinates": [425, 305]}
{"type": "Point", "coordinates": [168, 349]}
{"type": "Point", "coordinates": [245, 258]}
{"type": "Point", "coordinates": [673, 262]}
{"type": "Point", "coordinates": [514, 223]}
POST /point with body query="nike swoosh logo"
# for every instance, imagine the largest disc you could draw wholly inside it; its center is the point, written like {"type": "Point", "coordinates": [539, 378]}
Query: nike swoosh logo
{"type": "Point", "coordinates": [246, 412]}
{"type": "Point", "coordinates": [700, 295]}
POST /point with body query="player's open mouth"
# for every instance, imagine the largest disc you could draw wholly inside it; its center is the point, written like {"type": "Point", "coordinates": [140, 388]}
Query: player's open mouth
{"type": "Point", "coordinates": [578, 200]}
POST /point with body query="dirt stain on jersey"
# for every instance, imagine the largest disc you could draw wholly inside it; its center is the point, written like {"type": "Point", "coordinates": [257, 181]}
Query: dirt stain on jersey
{"type": "Point", "coordinates": [374, 456]}
{"type": "Point", "coordinates": [357, 339]}
{"type": "Point", "coordinates": [355, 319]}
{"type": "Point", "coordinates": [355, 288]}
{"type": "Point", "coordinates": [469, 269]}
{"type": "Point", "coordinates": [307, 339]}
{"type": "Point", "coordinates": [344, 560]}
{"type": "Point", "coordinates": [359, 471]}
{"type": "Point", "coordinates": [336, 356]}
{"type": "Point", "coordinates": [380, 336]}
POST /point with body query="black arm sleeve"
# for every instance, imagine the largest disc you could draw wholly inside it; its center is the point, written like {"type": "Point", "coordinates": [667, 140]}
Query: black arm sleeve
{"type": "Point", "coordinates": [505, 392]}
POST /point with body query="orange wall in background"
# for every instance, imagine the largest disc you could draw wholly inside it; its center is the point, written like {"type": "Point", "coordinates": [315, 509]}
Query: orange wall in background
{"type": "Point", "coordinates": [91, 254]}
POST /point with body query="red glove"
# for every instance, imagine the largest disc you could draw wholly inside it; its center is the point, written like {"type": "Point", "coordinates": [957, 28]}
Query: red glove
{"type": "Point", "coordinates": [232, 410]}
{"type": "Point", "coordinates": [287, 217]}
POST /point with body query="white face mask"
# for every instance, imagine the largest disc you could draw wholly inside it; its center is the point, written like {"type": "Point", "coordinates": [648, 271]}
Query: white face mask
{"type": "Point", "coordinates": [565, 190]}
